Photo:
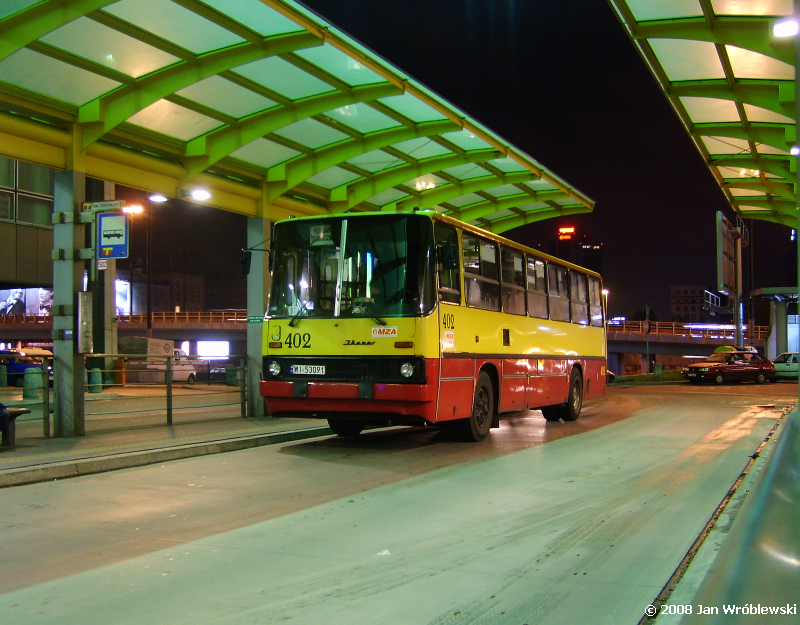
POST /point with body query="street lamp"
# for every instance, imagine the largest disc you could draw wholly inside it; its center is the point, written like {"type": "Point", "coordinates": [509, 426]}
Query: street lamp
{"type": "Point", "coordinates": [131, 210]}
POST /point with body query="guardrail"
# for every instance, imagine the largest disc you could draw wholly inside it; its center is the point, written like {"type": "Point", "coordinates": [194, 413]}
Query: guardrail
{"type": "Point", "coordinates": [150, 378]}
{"type": "Point", "coordinates": [675, 328]}
{"type": "Point", "coordinates": [213, 316]}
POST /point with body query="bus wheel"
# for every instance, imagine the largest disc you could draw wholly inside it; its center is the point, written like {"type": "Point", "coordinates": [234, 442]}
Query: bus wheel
{"type": "Point", "coordinates": [572, 409]}
{"type": "Point", "coordinates": [342, 427]}
{"type": "Point", "coordinates": [476, 428]}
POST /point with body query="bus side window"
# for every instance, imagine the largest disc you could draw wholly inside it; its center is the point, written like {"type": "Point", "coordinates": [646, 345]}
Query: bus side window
{"type": "Point", "coordinates": [595, 302]}
{"type": "Point", "coordinates": [579, 298]}
{"type": "Point", "coordinates": [447, 263]}
{"type": "Point", "coordinates": [537, 288]}
{"type": "Point", "coordinates": [481, 280]}
{"type": "Point", "coordinates": [558, 290]}
{"type": "Point", "coordinates": [512, 271]}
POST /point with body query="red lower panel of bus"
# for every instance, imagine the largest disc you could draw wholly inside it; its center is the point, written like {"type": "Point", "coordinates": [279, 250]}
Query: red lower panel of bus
{"type": "Point", "coordinates": [522, 384]}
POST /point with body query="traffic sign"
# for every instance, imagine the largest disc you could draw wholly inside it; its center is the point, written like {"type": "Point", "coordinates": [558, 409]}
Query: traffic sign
{"type": "Point", "coordinates": [112, 235]}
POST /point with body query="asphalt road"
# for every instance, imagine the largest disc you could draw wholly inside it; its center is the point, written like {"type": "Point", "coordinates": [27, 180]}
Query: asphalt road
{"type": "Point", "coordinates": [544, 523]}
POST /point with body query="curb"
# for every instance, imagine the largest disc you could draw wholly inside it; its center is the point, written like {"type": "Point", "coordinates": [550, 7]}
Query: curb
{"type": "Point", "coordinates": [126, 460]}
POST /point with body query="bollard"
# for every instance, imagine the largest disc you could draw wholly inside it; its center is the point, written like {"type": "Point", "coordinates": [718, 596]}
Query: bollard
{"type": "Point", "coordinates": [3, 375]}
{"type": "Point", "coordinates": [30, 385]}
{"type": "Point", "coordinates": [95, 380]}
{"type": "Point", "coordinates": [231, 376]}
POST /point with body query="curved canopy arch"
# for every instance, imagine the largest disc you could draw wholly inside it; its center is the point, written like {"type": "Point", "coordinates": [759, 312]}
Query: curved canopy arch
{"type": "Point", "coordinates": [732, 83]}
{"type": "Point", "coordinates": [262, 101]}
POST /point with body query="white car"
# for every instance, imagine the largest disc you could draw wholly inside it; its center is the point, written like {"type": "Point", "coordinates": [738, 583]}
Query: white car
{"type": "Point", "coordinates": [786, 365]}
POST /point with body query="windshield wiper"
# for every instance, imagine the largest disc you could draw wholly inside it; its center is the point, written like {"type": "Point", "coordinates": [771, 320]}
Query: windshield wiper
{"type": "Point", "coordinates": [366, 304]}
{"type": "Point", "coordinates": [293, 322]}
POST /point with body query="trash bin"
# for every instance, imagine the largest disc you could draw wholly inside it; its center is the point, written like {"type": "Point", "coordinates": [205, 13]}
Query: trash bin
{"type": "Point", "coordinates": [95, 380]}
{"type": "Point", "coordinates": [658, 370]}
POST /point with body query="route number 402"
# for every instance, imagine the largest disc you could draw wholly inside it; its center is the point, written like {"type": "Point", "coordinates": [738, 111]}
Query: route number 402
{"type": "Point", "coordinates": [449, 322]}
{"type": "Point", "coordinates": [297, 340]}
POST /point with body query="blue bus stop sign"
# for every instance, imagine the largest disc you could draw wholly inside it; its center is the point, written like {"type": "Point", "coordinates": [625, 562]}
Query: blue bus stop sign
{"type": "Point", "coordinates": [112, 235]}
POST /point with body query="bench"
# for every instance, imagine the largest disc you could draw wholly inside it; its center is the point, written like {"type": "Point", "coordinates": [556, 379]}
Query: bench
{"type": "Point", "coordinates": [8, 425]}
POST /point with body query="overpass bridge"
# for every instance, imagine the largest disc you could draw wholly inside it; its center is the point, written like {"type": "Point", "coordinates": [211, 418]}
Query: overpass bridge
{"type": "Point", "coordinates": [629, 345]}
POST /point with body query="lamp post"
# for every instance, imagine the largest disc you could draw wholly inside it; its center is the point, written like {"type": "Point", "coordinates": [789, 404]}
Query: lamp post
{"type": "Point", "coordinates": [131, 210]}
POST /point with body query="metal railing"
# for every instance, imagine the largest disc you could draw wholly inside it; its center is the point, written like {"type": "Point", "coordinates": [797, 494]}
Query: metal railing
{"type": "Point", "coordinates": [149, 381]}
{"type": "Point", "coordinates": [211, 316]}
{"type": "Point", "coordinates": [675, 328]}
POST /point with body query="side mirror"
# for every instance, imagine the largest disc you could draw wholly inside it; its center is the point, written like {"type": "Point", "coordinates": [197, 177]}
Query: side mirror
{"type": "Point", "coordinates": [245, 259]}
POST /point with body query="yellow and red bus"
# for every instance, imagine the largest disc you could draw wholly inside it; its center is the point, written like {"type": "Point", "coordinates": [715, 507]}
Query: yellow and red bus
{"type": "Point", "coordinates": [416, 318]}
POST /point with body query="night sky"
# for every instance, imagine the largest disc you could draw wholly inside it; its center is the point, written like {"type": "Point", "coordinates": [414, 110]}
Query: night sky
{"type": "Point", "coordinates": [562, 82]}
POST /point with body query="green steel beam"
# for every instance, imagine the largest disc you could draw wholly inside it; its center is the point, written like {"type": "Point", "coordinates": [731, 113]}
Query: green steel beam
{"type": "Point", "coordinates": [349, 195]}
{"type": "Point", "coordinates": [454, 189]}
{"type": "Point", "coordinates": [25, 27]}
{"type": "Point", "coordinates": [748, 33]}
{"type": "Point", "coordinates": [204, 151]}
{"type": "Point", "coordinates": [481, 209]}
{"type": "Point", "coordinates": [776, 136]}
{"type": "Point", "coordinates": [776, 167]}
{"type": "Point", "coordinates": [782, 190]}
{"type": "Point", "coordinates": [772, 95]}
{"type": "Point", "coordinates": [103, 114]}
{"type": "Point", "coordinates": [504, 225]}
{"type": "Point", "coordinates": [288, 175]}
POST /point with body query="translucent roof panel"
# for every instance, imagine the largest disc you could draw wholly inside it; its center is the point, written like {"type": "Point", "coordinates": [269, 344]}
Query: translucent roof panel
{"type": "Point", "coordinates": [466, 140]}
{"type": "Point", "coordinates": [333, 177]}
{"type": "Point", "coordinates": [645, 10]}
{"type": "Point", "coordinates": [42, 74]}
{"type": "Point", "coordinates": [423, 147]}
{"type": "Point", "coordinates": [226, 97]}
{"type": "Point", "coordinates": [752, 7]}
{"type": "Point", "coordinates": [375, 161]}
{"type": "Point", "coordinates": [264, 100]}
{"type": "Point", "coordinates": [9, 7]}
{"type": "Point", "coordinates": [256, 15]}
{"type": "Point", "coordinates": [387, 197]}
{"type": "Point", "coordinates": [311, 133]}
{"type": "Point", "coordinates": [173, 120]}
{"type": "Point", "coordinates": [174, 23]}
{"type": "Point", "coordinates": [105, 46]}
{"type": "Point", "coordinates": [467, 171]}
{"type": "Point", "coordinates": [412, 108]}
{"type": "Point", "coordinates": [284, 78]}
{"type": "Point", "coordinates": [362, 117]}
{"type": "Point", "coordinates": [732, 84]}
{"type": "Point", "coordinates": [747, 64]}
{"type": "Point", "coordinates": [264, 153]}
{"type": "Point", "coordinates": [338, 64]}
{"type": "Point", "coordinates": [688, 60]}
{"type": "Point", "coordinates": [503, 191]}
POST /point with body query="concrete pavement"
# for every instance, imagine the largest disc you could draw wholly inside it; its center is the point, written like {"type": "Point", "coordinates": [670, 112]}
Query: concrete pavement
{"type": "Point", "coordinates": [134, 438]}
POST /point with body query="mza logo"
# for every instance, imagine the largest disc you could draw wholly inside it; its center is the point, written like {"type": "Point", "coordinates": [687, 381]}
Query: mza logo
{"type": "Point", "coordinates": [384, 331]}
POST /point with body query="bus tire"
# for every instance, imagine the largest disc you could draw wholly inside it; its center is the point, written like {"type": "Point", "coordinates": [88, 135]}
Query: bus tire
{"type": "Point", "coordinates": [476, 427]}
{"type": "Point", "coordinates": [343, 427]}
{"type": "Point", "coordinates": [572, 409]}
{"type": "Point", "coordinates": [190, 379]}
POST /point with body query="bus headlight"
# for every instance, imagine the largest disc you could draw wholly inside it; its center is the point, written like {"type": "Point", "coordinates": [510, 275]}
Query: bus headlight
{"type": "Point", "coordinates": [407, 369]}
{"type": "Point", "coordinates": [274, 368]}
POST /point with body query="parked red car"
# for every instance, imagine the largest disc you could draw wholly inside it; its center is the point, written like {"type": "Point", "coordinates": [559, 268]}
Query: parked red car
{"type": "Point", "coordinates": [731, 367]}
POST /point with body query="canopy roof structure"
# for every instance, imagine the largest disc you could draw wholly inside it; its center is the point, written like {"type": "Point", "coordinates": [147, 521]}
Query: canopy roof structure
{"type": "Point", "coordinates": [261, 102]}
{"type": "Point", "coordinates": [732, 83]}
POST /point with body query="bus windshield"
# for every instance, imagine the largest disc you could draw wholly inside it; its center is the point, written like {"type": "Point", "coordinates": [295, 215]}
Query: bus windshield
{"type": "Point", "coordinates": [386, 271]}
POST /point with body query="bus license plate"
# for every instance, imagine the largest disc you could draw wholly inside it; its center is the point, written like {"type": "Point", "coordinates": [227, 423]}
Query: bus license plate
{"type": "Point", "coordinates": [307, 369]}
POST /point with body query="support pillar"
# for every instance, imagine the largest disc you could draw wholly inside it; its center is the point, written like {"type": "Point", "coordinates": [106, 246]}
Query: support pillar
{"type": "Point", "coordinates": [258, 283]}
{"type": "Point", "coordinates": [69, 237]}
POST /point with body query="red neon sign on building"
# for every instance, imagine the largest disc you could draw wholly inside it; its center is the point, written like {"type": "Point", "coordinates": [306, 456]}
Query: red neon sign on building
{"type": "Point", "coordinates": [566, 233]}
